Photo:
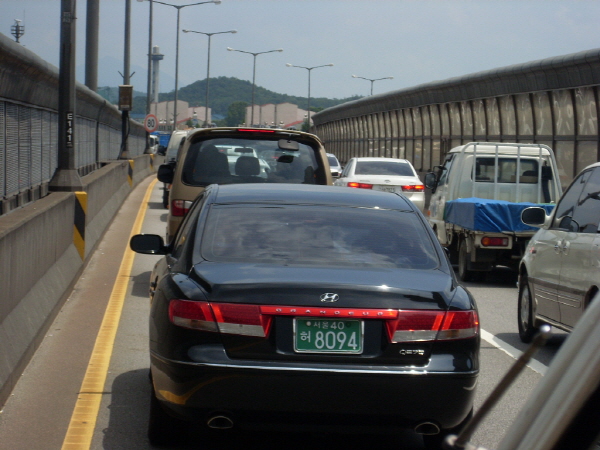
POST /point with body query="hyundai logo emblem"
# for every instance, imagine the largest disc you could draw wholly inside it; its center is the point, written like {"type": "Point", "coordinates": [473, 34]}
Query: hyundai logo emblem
{"type": "Point", "coordinates": [329, 297]}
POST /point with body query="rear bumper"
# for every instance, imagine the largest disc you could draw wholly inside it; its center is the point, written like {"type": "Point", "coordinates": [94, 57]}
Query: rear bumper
{"type": "Point", "coordinates": [288, 396]}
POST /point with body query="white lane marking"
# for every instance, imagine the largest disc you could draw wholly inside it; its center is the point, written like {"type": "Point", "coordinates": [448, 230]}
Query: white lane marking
{"type": "Point", "coordinates": [512, 351]}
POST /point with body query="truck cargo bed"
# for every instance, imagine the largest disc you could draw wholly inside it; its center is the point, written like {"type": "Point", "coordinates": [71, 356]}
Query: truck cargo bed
{"type": "Point", "coordinates": [480, 214]}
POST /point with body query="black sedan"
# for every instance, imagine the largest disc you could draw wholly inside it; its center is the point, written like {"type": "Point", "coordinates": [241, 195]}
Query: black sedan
{"type": "Point", "coordinates": [308, 307]}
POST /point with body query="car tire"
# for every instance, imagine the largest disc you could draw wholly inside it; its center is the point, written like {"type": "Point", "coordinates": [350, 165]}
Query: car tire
{"type": "Point", "coordinates": [165, 197]}
{"type": "Point", "coordinates": [436, 441]}
{"type": "Point", "coordinates": [525, 316]}
{"type": "Point", "coordinates": [164, 430]}
{"type": "Point", "coordinates": [464, 274]}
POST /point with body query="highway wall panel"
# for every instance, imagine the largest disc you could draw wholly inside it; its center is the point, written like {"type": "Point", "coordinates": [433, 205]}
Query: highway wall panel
{"type": "Point", "coordinates": [553, 101]}
{"type": "Point", "coordinates": [39, 261]}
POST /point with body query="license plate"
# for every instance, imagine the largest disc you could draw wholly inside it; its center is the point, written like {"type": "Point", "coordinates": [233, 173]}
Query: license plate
{"type": "Point", "coordinates": [387, 188]}
{"type": "Point", "coordinates": [328, 335]}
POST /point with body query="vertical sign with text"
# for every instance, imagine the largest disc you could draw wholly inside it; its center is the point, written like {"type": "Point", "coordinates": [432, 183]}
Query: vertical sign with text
{"type": "Point", "coordinates": [69, 129]}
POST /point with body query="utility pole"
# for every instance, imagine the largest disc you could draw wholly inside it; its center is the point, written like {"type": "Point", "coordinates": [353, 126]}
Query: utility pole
{"type": "Point", "coordinates": [66, 177]}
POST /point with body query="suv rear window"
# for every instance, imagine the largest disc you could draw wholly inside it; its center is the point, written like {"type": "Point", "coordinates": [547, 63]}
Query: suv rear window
{"type": "Point", "coordinates": [233, 160]}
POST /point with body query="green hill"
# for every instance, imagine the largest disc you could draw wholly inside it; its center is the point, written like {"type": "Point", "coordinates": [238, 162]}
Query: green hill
{"type": "Point", "coordinates": [223, 91]}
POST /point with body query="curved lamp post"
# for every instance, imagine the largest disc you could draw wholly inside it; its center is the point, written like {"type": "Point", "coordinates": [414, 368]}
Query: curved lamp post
{"type": "Point", "coordinates": [210, 35]}
{"type": "Point", "coordinates": [179, 8]}
{"type": "Point", "coordinates": [372, 80]}
{"type": "Point", "coordinates": [309, 70]}
{"type": "Point", "coordinates": [253, 74]}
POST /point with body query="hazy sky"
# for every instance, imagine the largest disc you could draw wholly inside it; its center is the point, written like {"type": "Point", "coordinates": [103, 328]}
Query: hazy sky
{"type": "Point", "coordinates": [415, 41]}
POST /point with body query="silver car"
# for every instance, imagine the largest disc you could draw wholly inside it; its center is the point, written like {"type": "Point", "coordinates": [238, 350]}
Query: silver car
{"type": "Point", "coordinates": [560, 272]}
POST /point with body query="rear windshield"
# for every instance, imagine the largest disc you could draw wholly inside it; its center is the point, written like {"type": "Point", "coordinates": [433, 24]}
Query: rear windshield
{"type": "Point", "coordinates": [333, 161]}
{"type": "Point", "coordinates": [317, 235]}
{"type": "Point", "coordinates": [383, 168]}
{"type": "Point", "coordinates": [485, 170]}
{"type": "Point", "coordinates": [234, 160]}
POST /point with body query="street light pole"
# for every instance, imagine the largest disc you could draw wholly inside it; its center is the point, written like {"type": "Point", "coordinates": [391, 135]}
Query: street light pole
{"type": "Point", "coordinates": [253, 75]}
{"type": "Point", "coordinates": [149, 81]}
{"type": "Point", "coordinates": [179, 8]}
{"type": "Point", "coordinates": [372, 80]}
{"type": "Point", "coordinates": [309, 70]}
{"type": "Point", "coordinates": [210, 35]}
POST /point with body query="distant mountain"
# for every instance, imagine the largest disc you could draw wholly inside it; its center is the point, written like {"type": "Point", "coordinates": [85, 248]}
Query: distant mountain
{"type": "Point", "coordinates": [223, 91]}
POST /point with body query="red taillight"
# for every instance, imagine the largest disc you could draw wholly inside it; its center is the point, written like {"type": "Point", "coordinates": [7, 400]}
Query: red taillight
{"type": "Point", "coordinates": [234, 318]}
{"type": "Point", "coordinates": [494, 241]}
{"type": "Point", "coordinates": [254, 130]}
{"type": "Point", "coordinates": [256, 320]}
{"type": "Point", "coordinates": [413, 188]}
{"type": "Point", "coordinates": [431, 325]}
{"type": "Point", "coordinates": [179, 208]}
{"type": "Point", "coordinates": [188, 314]}
{"type": "Point", "coordinates": [459, 325]}
{"type": "Point", "coordinates": [353, 184]}
{"type": "Point", "coordinates": [227, 318]}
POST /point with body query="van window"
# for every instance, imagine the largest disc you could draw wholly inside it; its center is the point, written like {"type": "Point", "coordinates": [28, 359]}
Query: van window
{"type": "Point", "coordinates": [485, 170]}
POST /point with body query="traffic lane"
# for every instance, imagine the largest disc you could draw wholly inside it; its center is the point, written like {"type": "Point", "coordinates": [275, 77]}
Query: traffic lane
{"type": "Point", "coordinates": [494, 364]}
{"type": "Point", "coordinates": [123, 413]}
{"type": "Point", "coordinates": [497, 299]}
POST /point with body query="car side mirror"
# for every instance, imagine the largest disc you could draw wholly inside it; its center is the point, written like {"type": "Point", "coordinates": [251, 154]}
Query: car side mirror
{"type": "Point", "coordinates": [162, 150]}
{"type": "Point", "coordinates": [148, 244]}
{"type": "Point", "coordinates": [431, 181]}
{"type": "Point", "coordinates": [533, 216]}
{"type": "Point", "coordinates": [165, 173]}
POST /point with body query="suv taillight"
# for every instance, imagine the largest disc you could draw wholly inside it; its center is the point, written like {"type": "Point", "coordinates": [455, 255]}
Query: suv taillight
{"type": "Point", "coordinates": [179, 208]}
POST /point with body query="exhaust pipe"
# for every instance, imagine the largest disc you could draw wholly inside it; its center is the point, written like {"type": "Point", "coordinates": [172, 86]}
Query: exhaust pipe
{"type": "Point", "coordinates": [220, 422]}
{"type": "Point", "coordinates": [427, 428]}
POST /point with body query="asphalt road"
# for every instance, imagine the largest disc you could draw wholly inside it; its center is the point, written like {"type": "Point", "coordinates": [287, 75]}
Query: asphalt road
{"type": "Point", "coordinates": [40, 410]}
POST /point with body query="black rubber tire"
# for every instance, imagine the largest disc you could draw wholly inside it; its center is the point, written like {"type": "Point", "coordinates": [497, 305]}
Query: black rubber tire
{"type": "Point", "coordinates": [165, 199]}
{"type": "Point", "coordinates": [464, 274]}
{"type": "Point", "coordinates": [163, 429]}
{"type": "Point", "coordinates": [527, 328]}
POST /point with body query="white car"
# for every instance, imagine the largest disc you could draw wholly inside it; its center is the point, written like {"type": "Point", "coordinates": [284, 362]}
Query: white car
{"type": "Point", "coordinates": [384, 174]}
{"type": "Point", "coordinates": [560, 272]}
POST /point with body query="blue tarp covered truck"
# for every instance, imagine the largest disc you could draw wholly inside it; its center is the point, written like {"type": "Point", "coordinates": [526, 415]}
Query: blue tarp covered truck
{"type": "Point", "coordinates": [477, 198]}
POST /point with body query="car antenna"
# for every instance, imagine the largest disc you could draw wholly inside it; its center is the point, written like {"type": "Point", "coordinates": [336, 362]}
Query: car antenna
{"type": "Point", "coordinates": [461, 441]}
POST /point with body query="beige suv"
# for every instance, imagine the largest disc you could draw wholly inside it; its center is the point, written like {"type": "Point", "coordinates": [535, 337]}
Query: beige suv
{"type": "Point", "coordinates": [240, 155]}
